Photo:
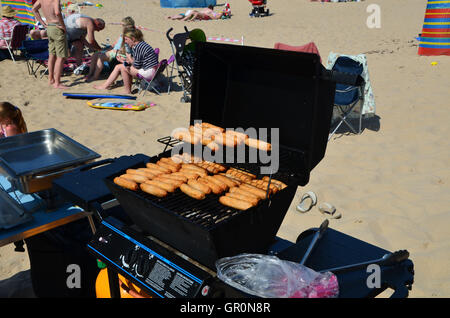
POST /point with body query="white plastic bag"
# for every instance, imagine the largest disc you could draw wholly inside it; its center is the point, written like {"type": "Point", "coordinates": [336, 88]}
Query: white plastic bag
{"type": "Point", "coordinates": [270, 277]}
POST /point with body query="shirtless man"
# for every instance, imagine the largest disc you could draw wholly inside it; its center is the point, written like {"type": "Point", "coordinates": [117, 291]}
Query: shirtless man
{"type": "Point", "coordinates": [57, 43]}
{"type": "Point", "coordinates": [80, 33]}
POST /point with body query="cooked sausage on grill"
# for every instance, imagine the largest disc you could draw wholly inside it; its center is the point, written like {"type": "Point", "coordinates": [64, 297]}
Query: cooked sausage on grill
{"type": "Point", "coordinates": [199, 186]}
{"type": "Point", "coordinates": [235, 203]}
{"type": "Point", "coordinates": [259, 144]}
{"type": "Point", "coordinates": [155, 166]}
{"type": "Point", "coordinates": [151, 170]}
{"type": "Point", "coordinates": [163, 178]}
{"type": "Point", "coordinates": [169, 161]}
{"type": "Point", "coordinates": [192, 192]}
{"type": "Point", "coordinates": [276, 182]}
{"type": "Point", "coordinates": [229, 182]}
{"type": "Point", "coordinates": [167, 166]}
{"type": "Point", "coordinates": [252, 200]}
{"type": "Point", "coordinates": [163, 185]}
{"type": "Point", "coordinates": [221, 184]}
{"type": "Point", "coordinates": [135, 177]}
{"type": "Point", "coordinates": [243, 192]}
{"type": "Point", "coordinates": [214, 187]}
{"type": "Point", "coordinates": [125, 183]}
{"type": "Point", "coordinates": [141, 172]}
{"type": "Point", "coordinates": [257, 191]}
{"type": "Point", "coordinates": [153, 190]}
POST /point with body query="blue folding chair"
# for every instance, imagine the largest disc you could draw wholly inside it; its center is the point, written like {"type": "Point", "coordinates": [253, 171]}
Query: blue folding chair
{"type": "Point", "coordinates": [347, 97]}
{"type": "Point", "coordinates": [36, 53]}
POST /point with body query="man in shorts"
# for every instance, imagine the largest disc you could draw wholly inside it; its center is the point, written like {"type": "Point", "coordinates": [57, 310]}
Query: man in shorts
{"type": "Point", "coordinates": [57, 42]}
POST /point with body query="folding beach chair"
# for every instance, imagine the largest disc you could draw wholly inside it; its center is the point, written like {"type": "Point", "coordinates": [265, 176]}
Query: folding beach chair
{"type": "Point", "coordinates": [18, 35]}
{"type": "Point", "coordinates": [144, 84]}
{"type": "Point", "coordinates": [36, 53]}
{"type": "Point", "coordinates": [347, 97]}
{"type": "Point", "coordinates": [306, 48]}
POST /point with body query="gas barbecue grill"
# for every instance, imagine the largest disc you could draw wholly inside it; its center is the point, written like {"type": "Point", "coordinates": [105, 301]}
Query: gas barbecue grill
{"type": "Point", "coordinates": [170, 246]}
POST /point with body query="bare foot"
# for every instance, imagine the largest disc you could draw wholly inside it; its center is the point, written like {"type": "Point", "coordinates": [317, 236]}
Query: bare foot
{"type": "Point", "coordinates": [99, 87]}
{"type": "Point", "coordinates": [60, 86]}
{"type": "Point", "coordinates": [51, 82]}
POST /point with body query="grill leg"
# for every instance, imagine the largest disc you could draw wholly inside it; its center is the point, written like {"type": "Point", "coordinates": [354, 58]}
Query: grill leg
{"type": "Point", "coordinates": [113, 281]}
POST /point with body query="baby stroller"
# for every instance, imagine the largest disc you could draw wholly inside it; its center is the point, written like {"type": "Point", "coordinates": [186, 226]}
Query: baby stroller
{"type": "Point", "coordinates": [259, 8]}
{"type": "Point", "coordinates": [185, 57]}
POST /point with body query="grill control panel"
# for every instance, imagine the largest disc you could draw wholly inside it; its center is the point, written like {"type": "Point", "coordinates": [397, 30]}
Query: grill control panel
{"type": "Point", "coordinates": [147, 263]}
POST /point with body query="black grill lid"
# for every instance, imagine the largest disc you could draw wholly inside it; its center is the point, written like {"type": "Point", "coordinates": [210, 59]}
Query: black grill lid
{"type": "Point", "coordinates": [241, 86]}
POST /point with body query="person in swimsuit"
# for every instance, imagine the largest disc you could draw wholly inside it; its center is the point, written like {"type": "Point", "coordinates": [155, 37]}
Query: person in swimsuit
{"type": "Point", "coordinates": [111, 56]}
{"type": "Point", "coordinates": [57, 42]}
{"type": "Point", "coordinates": [11, 120]}
{"type": "Point", "coordinates": [204, 14]}
{"type": "Point", "coordinates": [80, 33]}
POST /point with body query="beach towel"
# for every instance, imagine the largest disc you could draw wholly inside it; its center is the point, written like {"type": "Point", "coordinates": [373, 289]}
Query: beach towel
{"type": "Point", "coordinates": [435, 37]}
{"type": "Point", "coordinates": [24, 10]}
{"type": "Point", "coordinates": [368, 108]}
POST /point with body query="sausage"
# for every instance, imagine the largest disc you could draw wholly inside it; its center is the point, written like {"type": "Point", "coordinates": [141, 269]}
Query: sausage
{"type": "Point", "coordinates": [257, 191]}
{"type": "Point", "coordinates": [174, 176]}
{"type": "Point", "coordinates": [190, 174]}
{"type": "Point", "coordinates": [229, 176]}
{"type": "Point", "coordinates": [199, 186]}
{"type": "Point", "coordinates": [141, 172]}
{"type": "Point", "coordinates": [194, 167]}
{"type": "Point", "coordinates": [259, 144]}
{"type": "Point", "coordinates": [171, 162]}
{"type": "Point", "coordinates": [151, 165]}
{"type": "Point", "coordinates": [135, 177]}
{"type": "Point", "coordinates": [163, 178]}
{"type": "Point", "coordinates": [192, 192]}
{"type": "Point", "coordinates": [214, 187]}
{"type": "Point", "coordinates": [276, 182]}
{"type": "Point", "coordinates": [125, 183]}
{"type": "Point", "coordinates": [240, 176]}
{"type": "Point", "coordinates": [186, 136]}
{"type": "Point", "coordinates": [153, 190]}
{"type": "Point", "coordinates": [221, 184]}
{"type": "Point", "coordinates": [251, 175]}
{"type": "Point", "coordinates": [211, 126]}
{"type": "Point", "coordinates": [243, 192]}
{"type": "Point", "coordinates": [235, 203]}
{"type": "Point", "coordinates": [225, 140]}
{"type": "Point", "coordinates": [229, 182]}
{"type": "Point", "coordinates": [163, 185]}
{"type": "Point", "coordinates": [167, 166]}
{"type": "Point", "coordinates": [218, 166]}
{"type": "Point", "coordinates": [151, 170]}
{"type": "Point", "coordinates": [253, 201]}
{"type": "Point", "coordinates": [263, 185]}
{"type": "Point", "coordinates": [241, 137]}
{"type": "Point", "coordinates": [207, 167]}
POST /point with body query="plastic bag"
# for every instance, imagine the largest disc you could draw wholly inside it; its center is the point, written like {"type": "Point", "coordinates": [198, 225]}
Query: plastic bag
{"type": "Point", "coordinates": [270, 277]}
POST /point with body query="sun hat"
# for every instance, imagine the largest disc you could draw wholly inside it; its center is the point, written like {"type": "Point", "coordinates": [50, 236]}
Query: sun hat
{"type": "Point", "coordinates": [73, 7]}
{"type": "Point", "coordinates": [8, 12]}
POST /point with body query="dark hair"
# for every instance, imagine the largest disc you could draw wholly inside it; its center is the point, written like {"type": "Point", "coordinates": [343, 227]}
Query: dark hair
{"type": "Point", "coordinates": [211, 7]}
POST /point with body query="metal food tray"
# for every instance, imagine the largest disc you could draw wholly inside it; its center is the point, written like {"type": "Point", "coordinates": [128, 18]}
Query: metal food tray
{"type": "Point", "coordinates": [40, 156]}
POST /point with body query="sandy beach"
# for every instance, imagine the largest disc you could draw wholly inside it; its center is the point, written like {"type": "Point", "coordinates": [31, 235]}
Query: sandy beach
{"type": "Point", "coordinates": [391, 183]}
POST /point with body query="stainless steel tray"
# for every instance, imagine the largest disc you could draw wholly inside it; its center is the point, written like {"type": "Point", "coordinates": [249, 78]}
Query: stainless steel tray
{"type": "Point", "coordinates": [40, 156]}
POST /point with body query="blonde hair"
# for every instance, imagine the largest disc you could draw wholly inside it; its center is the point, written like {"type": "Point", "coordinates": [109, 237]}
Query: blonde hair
{"type": "Point", "coordinates": [13, 113]}
{"type": "Point", "coordinates": [128, 22]}
{"type": "Point", "coordinates": [133, 33]}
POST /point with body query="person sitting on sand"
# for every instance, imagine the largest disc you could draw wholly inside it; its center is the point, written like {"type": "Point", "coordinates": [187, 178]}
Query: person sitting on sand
{"type": "Point", "coordinates": [142, 61]}
{"type": "Point", "coordinates": [11, 120]}
{"type": "Point", "coordinates": [110, 56]}
{"type": "Point", "coordinates": [80, 33]}
{"type": "Point", "coordinates": [7, 24]}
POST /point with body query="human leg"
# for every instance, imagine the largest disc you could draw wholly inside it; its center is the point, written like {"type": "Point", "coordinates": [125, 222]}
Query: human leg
{"type": "Point", "coordinates": [60, 52]}
{"type": "Point", "coordinates": [51, 68]}
{"type": "Point", "coordinates": [112, 77]}
{"type": "Point", "coordinates": [77, 51]}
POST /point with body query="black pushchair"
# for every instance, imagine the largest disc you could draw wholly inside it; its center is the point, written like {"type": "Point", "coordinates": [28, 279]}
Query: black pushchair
{"type": "Point", "coordinates": [184, 58]}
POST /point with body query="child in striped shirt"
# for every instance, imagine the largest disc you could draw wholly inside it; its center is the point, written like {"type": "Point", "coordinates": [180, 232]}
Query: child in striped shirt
{"type": "Point", "coordinates": [142, 61]}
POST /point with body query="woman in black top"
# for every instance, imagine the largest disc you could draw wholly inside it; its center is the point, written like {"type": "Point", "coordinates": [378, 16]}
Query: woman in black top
{"type": "Point", "coordinates": [142, 61]}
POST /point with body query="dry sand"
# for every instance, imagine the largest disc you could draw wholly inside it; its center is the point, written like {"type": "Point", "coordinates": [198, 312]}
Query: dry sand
{"type": "Point", "coordinates": [391, 183]}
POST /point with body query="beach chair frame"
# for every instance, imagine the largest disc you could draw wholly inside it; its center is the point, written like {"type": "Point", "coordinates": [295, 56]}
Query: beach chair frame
{"type": "Point", "coordinates": [18, 35]}
{"type": "Point", "coordinates": [144, 84]}
{"type": "Point", "coordinates": [345, 109]}
{"type": "Point", "coordinates": [36, 53]}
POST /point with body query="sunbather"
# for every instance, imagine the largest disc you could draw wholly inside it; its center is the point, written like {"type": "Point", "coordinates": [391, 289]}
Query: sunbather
{"type": "Point", "coordinates": [203, 14]}
{"type": "Point", "coordinates": [142, 61]}
{"type": "Point", "coordinates": [110, 56]}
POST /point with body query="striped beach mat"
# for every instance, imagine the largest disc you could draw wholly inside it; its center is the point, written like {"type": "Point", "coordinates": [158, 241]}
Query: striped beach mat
{"type": "Point", "coordinates": [24, 10]}
{"type": "Point", "coordinates": [435, 37]}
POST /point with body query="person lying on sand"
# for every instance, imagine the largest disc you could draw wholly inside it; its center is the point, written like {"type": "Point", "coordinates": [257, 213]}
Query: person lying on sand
{"type": "Point", "coordinates": [142, 61]}
{"type": "Point", "coordinates": [203, 14]}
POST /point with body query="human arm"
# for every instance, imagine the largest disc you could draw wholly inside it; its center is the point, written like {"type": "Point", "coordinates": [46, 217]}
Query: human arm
{"type": "Point", "coordinates": [35, 9]}
{"type": "Point", "coordinates": [57, 10]}
{"type": "Point", "coordinates": [90, 38]}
